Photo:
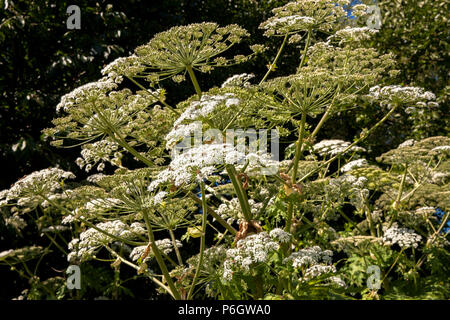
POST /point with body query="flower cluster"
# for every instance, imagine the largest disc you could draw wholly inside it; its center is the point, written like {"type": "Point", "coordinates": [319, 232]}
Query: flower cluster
{"type": "Point", "coordinates": [128, 67]}
{"type": "Point", "coordinates": [199, 162]}
{"type": "Point", "coordinates": [404, 237]}
{"type": "Point", "coordinates": [35, 187]}
{"type": "Point", "coordinates": [88, 92]}
{"type": "Point", "coordinates": [334, 147]}
{"type": "Point", "coordinates": [238, 80]}
{"type": "Point", "coordinates": [213, 258]}
{"type": "Point", "coordinates": [164, 245]}
{"type": "Point", "coordinates": [84, 247]}
{"type": "Point", "coordinates": [280, 235]}
{"type": "Point", "coordinates": [304, 15]}
{"type": "Point", "coordinates": [309, 257]}
{"type": "Point", "coordinates": [197, 110]}
{"type": "Point", "coordinates": [359, 163]}
{"type": "Point", "coordinates": [416, 151]}
{"type": "Point", "coordinates": [352, 35]}
{"type": "Point", "coordinates": [253, 249]}
{"type": "Point", "coordinates": [405, 95]}
{"type": "Point", "coordinates": [197, 46]}
{"type": "Point", "coordinates": [232, 211]}
{"type": "Point", "coordinates": [100, 151]}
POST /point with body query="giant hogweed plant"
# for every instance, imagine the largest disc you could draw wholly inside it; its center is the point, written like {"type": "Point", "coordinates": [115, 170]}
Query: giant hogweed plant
{"type": "Point", "coordinates": [308, 230]}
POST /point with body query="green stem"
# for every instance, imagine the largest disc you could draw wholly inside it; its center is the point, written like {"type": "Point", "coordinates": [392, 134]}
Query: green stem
{"type": "Point", "coordinates": [392, 266]}
{"type": "Point", "coordinates": [159, 99]}
{"type": "Point", "coordinates": [194, 80]}
{"type": "Point", "coordinates": [162, 285]}
{"type": "Point", "coordinates": [177, 252]}
{"type": "Point", "coordinates": [305, 50]}
{"type": "Point", "coordinates": [159, 258]}
{"type": "Point", "coordinates": [114, 134]}
{"type": "Point", "coordinates": [298, 151]}
{"type": "Point", "coordinates": [326, 114]}
{"type": "Point", "coordinates": [362, 137]}
{"type": "Point", "coordinates": [272, 65]}
{"type": "Point", "coordinates": [240, 192]}
{"type": "Point", "coordinates": [214, 214]}
{"type": "Point", "coordinates": [399, 197]}
{"type": "Point", "coordinates": [56, 244]}
{"type": "Point", "coordinates": [202, 241]}
{"type": "Point", "coordinates": [370, 220]}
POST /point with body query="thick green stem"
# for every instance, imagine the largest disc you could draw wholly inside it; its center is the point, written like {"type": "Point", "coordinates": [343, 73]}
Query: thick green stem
{"type": "Point", "coordinates": [370, 220]}
{"type": "Point", "coordinates": [194, 80]}
{"type": "Point", "coordinates": [399, 197]}
{"type": "Point", "coordinates": [240, 192]}
{"type": "Point", "coordinates": [298, 151]}
{"type": "Point", "coordinates": [159, 259]}
{"type": "Point", "coordinates": [392, 266]}
{"type": "Point", "coordinates": [130, 149]}
{"type": "Point", "coordinates": [202, 241]}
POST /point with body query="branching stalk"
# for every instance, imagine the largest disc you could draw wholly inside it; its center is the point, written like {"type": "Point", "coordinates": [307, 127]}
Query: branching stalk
{"type": "Point", "coordinates": [240, 192]}
{"type": "Point", "coordinates": [202, 241]}
{"type": "Point", "coordinates": [158, 257]}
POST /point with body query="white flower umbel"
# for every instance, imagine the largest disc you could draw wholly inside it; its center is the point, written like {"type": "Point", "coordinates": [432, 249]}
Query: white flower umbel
{"type": "Point", "coordinates": [441, 149]}
{"type": "Point", "coordinates": [334, 147]}
{"type": "Point", "coordinates": [318, 270]}
{"type": "Point", "coordinates": [93, 207]}
{"type": "Point", "coordinates": [196, 163]}
{"type": "Point", "coordinates": [304, 15]}
{"type": "Point", "coordinates": [90, 240]}
{"type": "Point", "coordinates": [165, 245]}
{"type": "Point", "coordinates": [287, 24]}
{"type": "Point", "coordinates": [206, 105]}
{"type": "Point", "coordinates": [404, 237]}
{"type": "Point", "coordinates": [199, 162]}
{"type": "Point", "coordinates": [407, 143]}
{"type": "Point", "coordinates": [337, 281]}
{"type": "Point", "coordinates": [238, 80]}
{"type": "Point", "coordinates": [124, 66]}
{"type": "Point", "coordinates": [354, 34]}
{"type": "Point", "coordinates": [280, 235]}
{"type": "Point", "coordinates": [231, 210]}
{"type": "Point", "coordinates": [92, 90]}
{"type": "Point", "coordinates": [399, 94]}
{"type": "Point", "coordinates": [183, 127]}
{"type": "Point", "coordinates": [309, 257]}
{"type": "Point", "coordinates": [30, 188]}
{"type": "Point", "coordinates": [354, 164]}
{"type": "Point", "coordinates": [100, 151]}
{"type": "Point", "coordinates": [182, 131]}
{"type": "Point", "coordinates": [253, 249]}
